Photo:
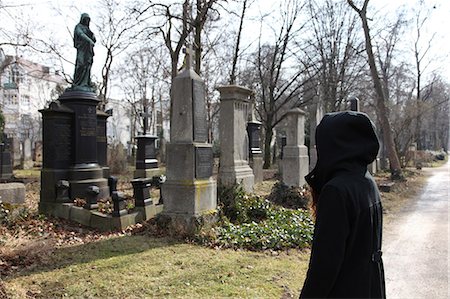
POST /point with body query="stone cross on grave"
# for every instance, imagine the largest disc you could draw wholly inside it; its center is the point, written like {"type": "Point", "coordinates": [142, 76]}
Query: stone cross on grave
{"type": "Point", "coordinates": [189, 52]}
{"type": "Point", "coordinates": [145, 115]}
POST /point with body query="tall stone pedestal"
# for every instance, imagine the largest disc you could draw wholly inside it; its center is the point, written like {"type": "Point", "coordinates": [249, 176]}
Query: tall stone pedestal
{"type": "Point", "coordinates": [70, 144]}
{"type": "Point", "coordinates": [190, 192]}
{"type": "Point", "coordinates": [146, 162]}
{"type": "Point", "coordinates": [234, 167]}
{"type": "Point", "coordinates": [295, 154]}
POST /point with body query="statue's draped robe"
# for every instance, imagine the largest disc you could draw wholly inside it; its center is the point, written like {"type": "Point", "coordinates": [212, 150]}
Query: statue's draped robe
{"type": "Point", "coordinates": [84, 43]}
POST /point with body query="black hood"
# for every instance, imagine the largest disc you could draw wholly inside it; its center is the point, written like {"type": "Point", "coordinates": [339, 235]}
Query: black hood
{"type": "Point", "coordinates": [345, 142]}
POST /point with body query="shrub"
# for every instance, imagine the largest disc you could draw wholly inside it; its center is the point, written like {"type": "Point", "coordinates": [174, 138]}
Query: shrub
{"type": "Point", "coordinates": [252, 222]}
{"type": "Point", "coordinates": [290, 197]}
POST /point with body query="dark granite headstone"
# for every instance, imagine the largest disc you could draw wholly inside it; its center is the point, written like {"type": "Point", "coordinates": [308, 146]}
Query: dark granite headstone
{"type": "Point", "coordinates": [57, 136]}
{"type": "Point", "coordinates": [92, 193]}
{"type": "Point", "coordinates": [118, 204]}
{"type": "Point", "coordinates": [146, 152]}
{"type": "Point", "coordinates": [354, 104]}
{"type": "Point", "coordinates": [62, 191]}
{"type": "Point", "coordinates": [141, 191]}
{"type": "Point", "coordinates": [102, 143]}
{"type": "Point", "coordinates": [70, 145]}
{"type": "Point", "coordinates": [254, 136]}
{"type": "Point", "coordinates": [112, 183]}
{"type": "Point", "coordinates": [84, 107]}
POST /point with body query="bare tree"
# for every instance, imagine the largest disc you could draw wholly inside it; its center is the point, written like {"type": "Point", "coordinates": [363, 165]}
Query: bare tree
{"type": "Point", "coordinates": [117, 30]}
{"type": "Point", "coordinates": [278, 84]}
{"type": "Point", "coordinates": [237, 44]}
{"type": "Point", "coordinates": [334, 52]}
{"type": "Point", "coordinates": [382, 111]}
{"type": "Point", "coordinates": [420, 54]}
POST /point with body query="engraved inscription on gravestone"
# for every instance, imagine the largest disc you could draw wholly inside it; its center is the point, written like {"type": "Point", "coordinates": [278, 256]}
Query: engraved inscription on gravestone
{"type": "Point", "coordinates": [62, 141]}
{"type": "Point", "coordinates": [203, 162]}
{"type": "Point", "coordinates": [199, 111]}
{"type": "Point", "coordinates": [101, 128]}
{"type": "Point", "coordinates": [149, 152]}
{"type": "Point", "coordinates": [88, 124]}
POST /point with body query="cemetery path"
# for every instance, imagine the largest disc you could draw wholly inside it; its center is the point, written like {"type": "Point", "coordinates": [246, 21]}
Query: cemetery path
{"type": "Point", "coordinates": [416, 243]}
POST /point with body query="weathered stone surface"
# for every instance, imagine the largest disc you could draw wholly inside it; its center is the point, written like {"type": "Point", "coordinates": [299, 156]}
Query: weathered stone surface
{"type": "Point", "coordinates": [80, 215]}
{"type": "Point", "coordinates": [295, 162]}
{"type": "Point", "coordinates": [61, 210]}
{"type": "Point", "coordinates": [189, 190]}
{"type": "Point", "coordinates": [122, 222]}
{"type": "Point", "coordinates": [234, 167]}
{"type": "Point", "coordinates": [189, 197]}
{"type": "Point", "coordinates": [12, 193]}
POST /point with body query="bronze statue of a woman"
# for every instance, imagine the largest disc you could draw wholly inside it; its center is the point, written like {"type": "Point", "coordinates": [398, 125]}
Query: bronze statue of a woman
{"type": "Point", "coordinates": [84, 41]}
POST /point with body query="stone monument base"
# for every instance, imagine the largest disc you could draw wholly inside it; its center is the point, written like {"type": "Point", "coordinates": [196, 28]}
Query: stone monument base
{"type": "Point", "coordinates": [13, 193]}
{"type": "Point", "coordinates": [185, 225]}
{"type": "Point", "coordinates": [189, 197]}
{"type": "Point", "coordinates": [147, 173]}
{"type": "Point", "coordinates": [295, 163]}
{"type": "Point", "coordinates": [101, 221]}
{"type": "Point", "coordinates": [83, 177]}
{"type": "Point", "coordinates": [241, 174]}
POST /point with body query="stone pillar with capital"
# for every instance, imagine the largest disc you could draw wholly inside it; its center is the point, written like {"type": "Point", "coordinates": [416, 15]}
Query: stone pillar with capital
{"type": "Point", "coordinates": [295, 162]}
{"type": "Point", "coordinates": [234, 166]}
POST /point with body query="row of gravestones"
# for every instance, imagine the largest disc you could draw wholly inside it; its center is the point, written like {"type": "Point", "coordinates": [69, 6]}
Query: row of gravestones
{"type": "Point", "coordinates": [74, 158]}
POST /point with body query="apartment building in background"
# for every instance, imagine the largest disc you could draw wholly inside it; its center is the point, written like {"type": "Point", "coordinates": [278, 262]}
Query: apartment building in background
{"type": "Point", "coordinates": [26, 87]}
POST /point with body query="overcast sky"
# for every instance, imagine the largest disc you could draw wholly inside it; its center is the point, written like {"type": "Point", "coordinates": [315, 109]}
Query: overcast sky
{"type": "Point", "coordinates": [62, 15]}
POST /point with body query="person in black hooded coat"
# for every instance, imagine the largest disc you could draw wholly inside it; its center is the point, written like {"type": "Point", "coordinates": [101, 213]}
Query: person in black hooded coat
{"type": "Point", "coordinates": [346, 250]}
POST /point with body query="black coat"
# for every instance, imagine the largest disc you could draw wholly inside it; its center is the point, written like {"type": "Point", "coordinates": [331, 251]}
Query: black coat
{"type": "Point", "coordinates": [346, 251]}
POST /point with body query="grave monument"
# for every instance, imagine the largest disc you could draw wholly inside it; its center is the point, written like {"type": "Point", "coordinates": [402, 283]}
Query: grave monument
{"type": "Point", "coordinates": [235, 104]}
{"type": "Point", "coordinates": [255, 152]}
{"type": "Point", "coordinates": [146, 162]}
{"type": "Point", "coordinates": [295, 154]}
{"type": "Point", "coordinates": [73, 133]}
{"type": "Point", "coordinates": [190, 192]}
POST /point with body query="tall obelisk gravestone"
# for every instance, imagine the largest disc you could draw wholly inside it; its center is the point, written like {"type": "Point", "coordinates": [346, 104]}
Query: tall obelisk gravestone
{"type": "Point", "coordinates": [190, 191]}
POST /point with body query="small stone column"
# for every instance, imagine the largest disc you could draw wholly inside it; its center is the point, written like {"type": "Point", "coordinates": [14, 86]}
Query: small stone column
{"type": "Point", "coordinates": [295, 154]}
{"type": "Point", "coordinates": [234, 110]}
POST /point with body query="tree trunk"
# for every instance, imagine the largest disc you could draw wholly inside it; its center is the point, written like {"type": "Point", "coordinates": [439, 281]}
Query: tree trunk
{"type": "Point", "coordinates": [267, 150]}
{"type": "Point", "coordinates": [395, 167]}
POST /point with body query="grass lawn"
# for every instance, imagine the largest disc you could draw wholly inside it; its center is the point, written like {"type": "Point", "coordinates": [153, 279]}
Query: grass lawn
{"type": "Point", "coordinates": [142, 266]}
{"type": "Point", "coordinates": [71, 261]}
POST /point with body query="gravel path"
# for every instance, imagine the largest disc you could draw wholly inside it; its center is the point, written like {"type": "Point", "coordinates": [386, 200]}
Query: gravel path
{"type": "Point", "coordinates": [416, 243]}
